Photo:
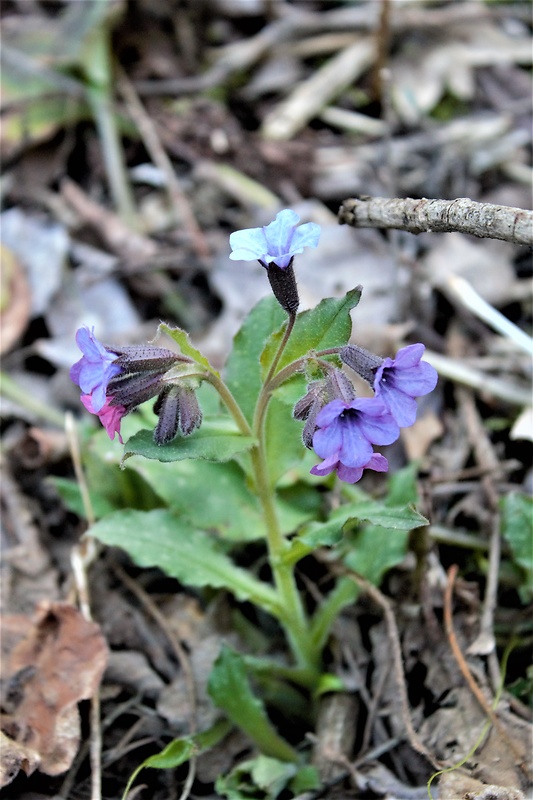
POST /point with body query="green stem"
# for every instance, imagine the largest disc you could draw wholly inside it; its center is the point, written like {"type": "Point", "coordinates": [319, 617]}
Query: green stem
{"type": "Point", "coordinates": [291, 613]}
{"type": "Point", "coordinates": [230, 402]}
{"type": "Point", "coordinates": [293, 616]}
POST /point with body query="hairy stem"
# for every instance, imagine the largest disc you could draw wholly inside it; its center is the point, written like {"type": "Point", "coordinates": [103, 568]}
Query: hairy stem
{"type": "Point", "coordinates": [293, 616]}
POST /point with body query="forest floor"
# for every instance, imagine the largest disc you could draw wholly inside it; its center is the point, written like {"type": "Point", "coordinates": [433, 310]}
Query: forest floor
{"type": "Point", "coordinates": [136, 137]}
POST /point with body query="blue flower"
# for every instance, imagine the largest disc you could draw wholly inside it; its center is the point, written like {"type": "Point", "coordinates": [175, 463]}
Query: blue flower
{"type": "Point", "coordinates": [95, 369]}
{"type": "Point", "coordinates": [399, 380]}
{"type": "Point", "coordinates": [346, 433]}
{"type": "Point", "coordinates": [275, 243]}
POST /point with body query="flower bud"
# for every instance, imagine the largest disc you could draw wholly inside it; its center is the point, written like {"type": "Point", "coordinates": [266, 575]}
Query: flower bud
{"type": "Point", "coordinates": [177, 408]}
{"type": "Point", "coordinates": [361, 361]}
{"type": "Point", "coordinates": [283, 284]}
{"type": "Point", "coordinates": [143, 358]}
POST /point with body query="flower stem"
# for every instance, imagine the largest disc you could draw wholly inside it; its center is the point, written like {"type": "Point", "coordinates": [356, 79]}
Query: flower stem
{"type": "Point", "coordinates": [230, 402]}
{"type": "Point", "coordinates": [291, 613]}
{"type": "Point", "coordinates": [293, 616]}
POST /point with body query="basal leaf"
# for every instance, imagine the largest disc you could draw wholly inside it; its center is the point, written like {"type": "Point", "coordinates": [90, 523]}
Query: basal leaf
{"type": "Point", "coordinates": [230, 689]}
{"type": "Point", "coordinates": [180, 750]}
{"type": "Point", "coordinates": [216, 496]}
{"type": "Point", "coordinates": [162, 539]}
{"type": "Point", "coordinates": [517, 528]}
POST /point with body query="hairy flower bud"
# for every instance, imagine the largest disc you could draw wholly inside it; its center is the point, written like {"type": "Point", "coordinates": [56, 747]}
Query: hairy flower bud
{"type": "Point", "coordinates": [336, 385]}
{"type": "Point", "coordinates": [177, 408]}
{"type": "Point", "coordinates": [283, 284]}
{"type": "Point", "coordinates": [361, 361]}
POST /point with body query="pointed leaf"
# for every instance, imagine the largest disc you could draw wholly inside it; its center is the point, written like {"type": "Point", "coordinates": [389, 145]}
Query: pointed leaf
{"type": "Point", "coordinates": [327, 325]}
{"type": "Point", "coordinates": [243, 375]}
{"type": "Point", "coordinates": [216, 440]}
{"type": "Point", "coordinates": [230, 689]}
{"type": "Point", "coordinates": [181, 338]}
{"type": "Point", "coordinates": [162, 539]}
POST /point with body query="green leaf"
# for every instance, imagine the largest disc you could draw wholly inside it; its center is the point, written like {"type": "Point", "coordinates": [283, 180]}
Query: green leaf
{"type": "Point", "coordinates": [216, 496]}
{"type": "Point", "coordinates": [264, 777]}
{"type": "Point", "coordinates": [162, 539]}
{"type": "Point", "coordinates": [181, 338]}
{"type": "Point", "coordinates": [326, 534]}
{"type": "Point", "coordinates": [180, 750]}
{"type": "Point", "coordinates": [517, 529]}
{"type": "Point", "coordinates": [283, 436]}
{"type": "Point", "coordinates": [243, 374]}
{"type": "Point", "coordinates": [217, 440]}
{"type": "Point", "coordinates": [374, 550]}
{"type": "Point", "coordinates": [69, 491]}
{"type": "Point", "coordinates": [327, 325]}
{"type": "Point", "coordinates": [230, 689]}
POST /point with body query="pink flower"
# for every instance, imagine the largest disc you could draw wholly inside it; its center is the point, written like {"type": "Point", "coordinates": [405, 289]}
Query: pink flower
{"type": "Point", "coordinates": [110, 416]}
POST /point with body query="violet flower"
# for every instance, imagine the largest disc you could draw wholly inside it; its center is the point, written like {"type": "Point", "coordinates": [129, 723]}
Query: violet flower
{"type": "Point", "coordinates": [400, 379]}
{"type": "Point", "coordinates": [346, 433]}
{"type": "Point", "coordinates": [276, 243]}
{"type": "Point", "coordinates": [95, 368]}
{"type": "Point", "coordinates": [350, 474]}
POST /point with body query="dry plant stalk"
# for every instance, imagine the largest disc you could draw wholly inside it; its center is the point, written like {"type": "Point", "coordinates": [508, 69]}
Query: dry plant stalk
{"type": "Point", "coordinates": [484, 220]}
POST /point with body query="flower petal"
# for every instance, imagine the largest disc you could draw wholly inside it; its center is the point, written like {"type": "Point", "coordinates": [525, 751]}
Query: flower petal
{"type": "Point", "coordinates": [326, 467]}
{"type": "Point", "coordinates": [328, 441]}
{"type": "Point", "coordinates": [356, 450]}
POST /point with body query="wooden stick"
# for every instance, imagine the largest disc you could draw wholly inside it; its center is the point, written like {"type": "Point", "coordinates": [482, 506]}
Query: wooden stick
{"type": "Point", "coordinates": [484, 220]}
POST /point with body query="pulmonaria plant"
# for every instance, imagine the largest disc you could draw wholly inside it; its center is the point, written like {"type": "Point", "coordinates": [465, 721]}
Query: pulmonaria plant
{"type": "Point", "coordinates": [276, 352]}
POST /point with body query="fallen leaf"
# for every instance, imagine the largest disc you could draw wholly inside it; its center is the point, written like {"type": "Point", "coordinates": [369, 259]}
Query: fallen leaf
{"type": "Point", "coordinates": [59, 662]}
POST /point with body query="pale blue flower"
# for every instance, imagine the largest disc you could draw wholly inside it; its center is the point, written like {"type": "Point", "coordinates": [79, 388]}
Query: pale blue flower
{"type": "Point", "coordinates": [276, 243]}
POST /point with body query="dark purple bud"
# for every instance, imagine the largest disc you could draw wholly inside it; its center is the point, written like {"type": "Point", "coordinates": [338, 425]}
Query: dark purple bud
{"type": "Point", "coordinates": [190, 412]}
{"type": "Point", "coordinates": [167, 408]}
{"type": "Point", "coordinates": [361, 361]}
{"type": "Point", "coordinates": [133, 389]}
{"type": "Point", "coordinates": [142, 358]}
{"type": "Point", "coordinates": [339, 386]}
{"type": "Point", "coordinates": [283, 284]}
{"type": "Point", "coordinates": [177, 409]}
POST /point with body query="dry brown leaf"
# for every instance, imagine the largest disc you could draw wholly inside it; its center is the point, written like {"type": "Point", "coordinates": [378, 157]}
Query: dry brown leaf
{"type": "Point", "coordinates": [457, 783]}
{"type": "Point", "coordinates": [59, 662]}
{"type": "Point", "coordinates": [15, 757]}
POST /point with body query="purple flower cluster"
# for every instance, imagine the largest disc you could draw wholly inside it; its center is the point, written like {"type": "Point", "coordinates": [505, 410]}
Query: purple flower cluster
{"type": "Point", "coordinates": [114, 381]}
{"type": "Point", "coordinates": [92, 373]}
{"type": "Point", "coordinates": [346, 430]}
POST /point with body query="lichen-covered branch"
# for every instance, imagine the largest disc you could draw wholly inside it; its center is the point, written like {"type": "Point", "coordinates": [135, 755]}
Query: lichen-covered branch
{"type": "Point", "coordinates": [484, 220]}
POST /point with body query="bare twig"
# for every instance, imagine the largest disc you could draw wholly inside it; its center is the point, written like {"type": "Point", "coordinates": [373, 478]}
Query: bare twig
{"type": "Point", "coordinates": [485, 220]}
{"type": "Point", "coordinates": [160, 158]}
{"type": "Point", "coordinates": [312, 95]}
{"type": "Point", "coordinates": [397, 661]}
{"type": "Point", "coordinates": [465, 671]}
{"type": "Point", "coordinates": [81, 558]}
